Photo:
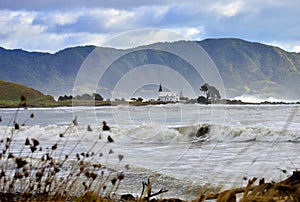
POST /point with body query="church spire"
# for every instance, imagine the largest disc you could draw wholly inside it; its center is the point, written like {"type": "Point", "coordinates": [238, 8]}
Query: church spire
{"type": "Point", "coordinates": [160, 88]}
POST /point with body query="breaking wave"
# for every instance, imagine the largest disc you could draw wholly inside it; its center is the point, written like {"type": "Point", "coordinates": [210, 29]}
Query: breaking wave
{"type": "Point", "coordinates": [154, 134]}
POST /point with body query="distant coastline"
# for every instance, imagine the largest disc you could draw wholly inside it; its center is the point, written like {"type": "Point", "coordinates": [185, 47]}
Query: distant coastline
{"type": "Point", "coordinates": [91, 103]}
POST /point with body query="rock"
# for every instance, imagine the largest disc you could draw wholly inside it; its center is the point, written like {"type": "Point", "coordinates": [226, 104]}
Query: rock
{"type": "Point", "coordinates": [127, 197]}
{"type": "Point", "coordinates": [202, 131]}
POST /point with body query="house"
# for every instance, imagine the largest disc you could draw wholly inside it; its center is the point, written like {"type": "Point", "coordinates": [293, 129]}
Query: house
{"type": "Point", "coordinates": [167, 96]}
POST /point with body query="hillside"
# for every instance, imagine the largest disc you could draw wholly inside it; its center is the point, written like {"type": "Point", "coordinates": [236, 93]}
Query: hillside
{"type": "Point", "coordinates": [10, 94]}
{"type": "Point", "coordinates": [245, 67]}
{"type": "Point", "coordinates": [255, 68]}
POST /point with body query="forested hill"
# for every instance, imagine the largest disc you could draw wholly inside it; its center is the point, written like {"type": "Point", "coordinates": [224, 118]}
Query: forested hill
{"type": "Point", "coordinates": [255, 68]}
{"type": "Point", "coordinates": [245, 67]}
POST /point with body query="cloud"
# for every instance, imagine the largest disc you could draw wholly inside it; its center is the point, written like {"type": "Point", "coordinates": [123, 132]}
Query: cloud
{"type": "Point", "coordinates": [293, 46]}
{"type": "Point", "coordinates": [18, 24]}
{"type": "Point", "coordinates": [227, 10]}
{"type": "Point", "coordinates": [191, 33]}
{"type": "Point", "coordinates": [59, 18]}
{"type": "Point", "coordinates": [141, 37]}
{"type": "Point", "coordinates": [67, 22]}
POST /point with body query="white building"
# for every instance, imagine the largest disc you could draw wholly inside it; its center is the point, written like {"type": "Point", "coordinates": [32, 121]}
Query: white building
{"type": "Point", "coordinates": [167, 96]}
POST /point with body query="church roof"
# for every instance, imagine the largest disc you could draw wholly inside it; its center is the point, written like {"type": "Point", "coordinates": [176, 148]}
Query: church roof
{"type": "Point", "coordinates": [164, 94]}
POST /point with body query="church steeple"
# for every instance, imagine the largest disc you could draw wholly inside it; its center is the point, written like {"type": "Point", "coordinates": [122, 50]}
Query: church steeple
{"type": "Point", "coordinates": [160, 88]}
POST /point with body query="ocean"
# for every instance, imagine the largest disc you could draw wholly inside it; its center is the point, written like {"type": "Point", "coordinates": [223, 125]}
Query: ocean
{"type": "Point", "coordinates": [181, 147]}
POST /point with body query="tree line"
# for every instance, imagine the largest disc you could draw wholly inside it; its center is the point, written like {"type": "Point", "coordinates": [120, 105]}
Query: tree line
{"type": "Point", "coordinates": [211, 94]}
{"type": "Point", "coordinates": [85, 96]}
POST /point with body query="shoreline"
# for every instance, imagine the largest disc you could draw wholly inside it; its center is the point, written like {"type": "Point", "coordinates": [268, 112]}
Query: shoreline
{"type": "Point", "coordinates": [92, 103]}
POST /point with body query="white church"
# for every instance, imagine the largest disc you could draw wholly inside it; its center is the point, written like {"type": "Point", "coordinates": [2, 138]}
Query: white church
{"type": "Point", "coordinates": [167, 96]}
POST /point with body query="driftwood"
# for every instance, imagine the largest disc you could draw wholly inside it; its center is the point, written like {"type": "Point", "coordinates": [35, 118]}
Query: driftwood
{"type": "Point", "coordinates": [286, 190]}
{"type": "Point", "coordinates": [147, 186]}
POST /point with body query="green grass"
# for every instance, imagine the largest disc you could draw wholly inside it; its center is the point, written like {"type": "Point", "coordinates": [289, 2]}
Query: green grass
{"type": "Point", "coordinates": [10, 94]}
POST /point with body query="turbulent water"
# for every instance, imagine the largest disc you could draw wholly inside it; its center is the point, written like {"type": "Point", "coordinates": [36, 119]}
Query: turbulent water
{"type": "Point", "coordinates": [181, 147]}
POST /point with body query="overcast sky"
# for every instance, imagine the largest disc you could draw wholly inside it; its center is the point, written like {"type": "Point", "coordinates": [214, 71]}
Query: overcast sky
{"type": "Point", "coordinates": [52, 25]}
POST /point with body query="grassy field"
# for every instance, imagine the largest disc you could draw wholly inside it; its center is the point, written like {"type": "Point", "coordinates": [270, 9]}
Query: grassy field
{"type": "Point", "coordinates": [10, 94]}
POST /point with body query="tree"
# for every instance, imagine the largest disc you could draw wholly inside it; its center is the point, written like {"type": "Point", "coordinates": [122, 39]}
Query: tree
{"type": "Point", "coordinates": [202, 100]}
{"type": "Point", "coordinates": [204, 88]}
{"type": "Point", "coordinates": [97, 96]}
{"type": "Point", "coordinates": [211, 92]}
{"type": "Point", "coordinates": [65, 97]}
{"type": "Point", "coordinates": [85, 97]}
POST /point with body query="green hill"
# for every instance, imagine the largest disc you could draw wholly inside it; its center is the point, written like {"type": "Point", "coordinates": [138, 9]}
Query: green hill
{"type": "Point", "coordinates": [254, 68]}
{"type": "Point", "coordinates": [245, 67]}
{"type": "Point", "coordinates": [10, 95]}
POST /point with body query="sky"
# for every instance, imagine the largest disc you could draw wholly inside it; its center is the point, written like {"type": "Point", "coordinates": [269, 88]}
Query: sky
{"type": "Point", "coordinates": [52, 25]}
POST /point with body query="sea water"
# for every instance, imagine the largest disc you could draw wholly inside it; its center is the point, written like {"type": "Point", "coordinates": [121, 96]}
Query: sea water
{"type": "Point", "coordinates": [161, 142]}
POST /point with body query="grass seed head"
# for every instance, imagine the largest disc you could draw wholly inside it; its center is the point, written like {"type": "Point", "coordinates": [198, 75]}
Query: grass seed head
{"type": "Point", "coordinates": [54, 147]}
{"type": "Point", "coordinates": [87, 174]}
{"type": "Point", "coordinates": [20, 162]}
{"type": "Point", "coordinates": [109, 139]}
{"type": "Point", "coordinates": [2, 174]}
{"type": "Point", "coordinates": [32, 148]}
{"type": "Point", "coordinates": [56, 169]}
{"type": "Point", "coordinates": [22, 101]}
{"type": "Point", "coordinates": [35, 142]}
{"type": "Point", "coordinates": [120, 157]}
{"type": "Point", "coordinates": [121, 176]}
{"type": "Point", "coordinates": [48, 157]}
{"type": "Point", "coordinates": [10, 155]}
{"type": "Point", "coordinates": [18, 175]}
{"type": "Point", "coordinates": [17, 126]}
{"type": "Point", "coordinates": [23, 98]}
{"type": "Point", "coordinates": [27, 142]}
{"type": "Point", "coordinates": [26, 174]}
{"type": "Point", "coordinates": [75, 121]}
{"type": "Point", "coordinates": [113, 181]}
{"type": "Point", "coordinates": [93, 175]}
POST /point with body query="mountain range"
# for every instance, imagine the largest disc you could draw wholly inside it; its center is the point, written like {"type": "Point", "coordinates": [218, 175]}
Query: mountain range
{"type": "Point", "coordinates": [244, 67]}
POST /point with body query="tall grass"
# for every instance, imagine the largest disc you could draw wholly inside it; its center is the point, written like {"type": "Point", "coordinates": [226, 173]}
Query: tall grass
{"type": "Point", "coordinates": [38, 172]}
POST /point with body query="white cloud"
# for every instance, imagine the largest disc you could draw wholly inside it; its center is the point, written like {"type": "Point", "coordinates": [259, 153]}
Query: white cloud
{"type": "Point", "coordinates": [52, 42]}
{"type": "Point", "coordinates": [141, 37]}
{"type": "Point", "coordinates": [116, 18]}
{"type": "Point", "coordinates": [59, 18]}
{"type": "Point", "coordinates": [227, 9]}
{"type": "Point", "coordinates": [291, 46]}
{"type": "Point", "coordinates": [296, 48]}
{"type": "Point", "coordinates": [67, 24]}
{"type": "Point", "coordinates": [18, 23]}
{"type": "Point", "coordinates": [191, 33]}
{"type": "Point", "coordinates": [111, 19]}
